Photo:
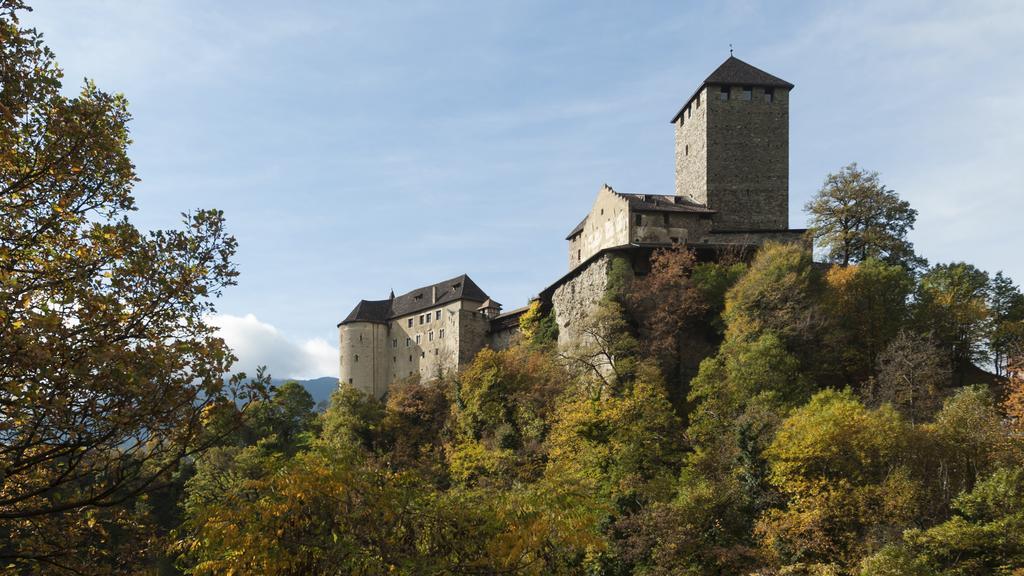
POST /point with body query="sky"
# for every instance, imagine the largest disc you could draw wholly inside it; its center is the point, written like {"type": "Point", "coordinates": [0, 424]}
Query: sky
{"type": "Point", "coordinates": [360, 147]}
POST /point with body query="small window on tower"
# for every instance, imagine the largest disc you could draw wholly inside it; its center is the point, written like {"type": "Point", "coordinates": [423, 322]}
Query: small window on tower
{"type": "Point", "coordinates": [418, 338]}
{"type": "Point", "coordinates": [579, 254]}
{"type": "Point", "coordinates": [394, 342]}
{"type": "Point", "coordinates": [724, 94]}
{"type": "Point", "coordinates": [686, 150]}
{"type": "Point", "coordinates": [357, 357]}
{"type": "Point", "coordinates": [769, 95]}
{"type": "Point", "coordinates": [410, 322]}
{"type": "Point", "coordinates": [430, 335]}
{"type": "Point", "coordinates": [437, 315]}
{"type": "Point", "coordinates": [639, 219]}
{"type": "Point", "coordinates": [440, 333]}
{"type": "Point", "coordinates": [747, 94]}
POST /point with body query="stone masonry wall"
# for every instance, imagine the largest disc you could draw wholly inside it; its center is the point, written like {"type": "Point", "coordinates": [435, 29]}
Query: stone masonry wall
{"type": "Point", "coordinates": [691, 150]}
{"type": "Point", "coordinates": [576, 299]}
{"type": "Point", "coordinates": [748, 159]}
{"type": "Point", "coordinates": [607, 225]}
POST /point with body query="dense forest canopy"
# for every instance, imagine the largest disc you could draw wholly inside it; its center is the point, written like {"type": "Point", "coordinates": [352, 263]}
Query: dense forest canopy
{"type": "Point", "coordinates": [763, 415]}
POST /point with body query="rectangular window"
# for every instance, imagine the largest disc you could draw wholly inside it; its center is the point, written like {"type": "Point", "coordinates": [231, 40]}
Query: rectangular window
{"type": "Point", "coordinates": [410, 322]}
{"type": "Point", "coordinates": [349, 380]}
{"type": "Point", "coordinates": [437, 315]}
{"type": "Point", "coordinates": [394, 342]}
{"type": "Point", "coordinates": [639, 219]}
{"type": "Point", "coordinates": [357, 357]}
{"type": "Point", "coordinates": [417, 338]}
{"type": "Point", "coordinates": [579, 254]}
{"type": "Point", "coordinates": [430, 336]}
{"type": "Point", "coordinates": [407, 342]}
{"type": "Point", "coordinates": [410, 360]}
{"type": "Point", "coordinates": [421, 318]}
{"type": "Point", "coordinates": [440, 333]}
{"type": "Point", "coordinates": [724, 94]}
{"type": "Point", "coordinates": [435, 351]}
{"type": "Point", "coordinates": [769, 95]}
{"type": "Point", "coordinates": [747, 93]}
{"type": "Point", "coordinates": [394, 359]}
{"type": "Point", "coordinates": [686, 150]}
{"type": "Point", "coordinates": [423, 354]}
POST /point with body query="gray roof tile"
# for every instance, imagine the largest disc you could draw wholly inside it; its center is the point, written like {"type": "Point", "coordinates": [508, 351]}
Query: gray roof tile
{"type": "Point", "coordinates": [736, 72]}
{"type": "Point", "coordinates": [380, 311]}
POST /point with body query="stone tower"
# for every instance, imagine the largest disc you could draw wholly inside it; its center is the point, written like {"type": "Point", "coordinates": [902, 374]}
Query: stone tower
{"type": "Point", "coordinates": [732, 148]}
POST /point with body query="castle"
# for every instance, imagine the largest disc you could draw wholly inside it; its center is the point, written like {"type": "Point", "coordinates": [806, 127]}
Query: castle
{"type": "Point", "coordinates": [731, 193]}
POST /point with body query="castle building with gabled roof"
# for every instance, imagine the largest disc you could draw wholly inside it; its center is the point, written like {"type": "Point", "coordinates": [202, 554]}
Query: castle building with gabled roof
{"type": "Point", "coordinates": [731, 194]}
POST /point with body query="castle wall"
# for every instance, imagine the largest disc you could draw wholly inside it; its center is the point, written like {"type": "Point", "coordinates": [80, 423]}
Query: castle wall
{"type": "Point", "coordinates": [576, 299]}
{"type": "Point", "coordinates": [363, 356]}
{"type": "Point", "coordinates": [691, 150]}
{"type": "Point", "coordinates": [607, 225]}
{"type": "Point", "coordinates": [669, 227]}
{"type": "Point", "coordinates": [748, 159]}
{"type": "Point", "coordinates": [375, 355]}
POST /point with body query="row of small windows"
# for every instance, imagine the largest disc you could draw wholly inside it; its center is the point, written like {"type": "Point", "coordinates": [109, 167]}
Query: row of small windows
{"type": "Point", "coordinates": [425, 318]}
{"type": "Point", "coordinates": [638, 219]}
{"type": "Point", "coordinates": [746, 93]}
{"type": "Point", "coordinates": [423, 354]}
{"type": "Point", "coordinates": [408, 340]}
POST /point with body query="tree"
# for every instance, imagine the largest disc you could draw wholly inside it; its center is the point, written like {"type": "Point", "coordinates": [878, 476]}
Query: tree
{"type": "Point", "coordinates": [855, 217]}
{"type": "Point", "coordinates": [844, 470]}
{"type": "Point", "coordinates": [107, 363]}
{"type": "Point", "coordinates": [536, 328]}
{"type": "Point", "coordinates": [666, 304]}
{"type": "Point", "coordinates": [912, 373]}
{"type": "Point", "coordinates": [780, 294]}
{"type": "Point", "coordinates": [504, 400]}
{"type": "Point", "coordinates": [285, 421]}
{"type": "Point", "coordinates": [1006, 304]}
{"type": "Point", "coordinates": [1013, 404]}
{"type": "Point", "coordinates": [985, 536]}
{"type": "Point", "coordinates": [868, 304]}
{"type": "Point", "coordinates": [952, 303]}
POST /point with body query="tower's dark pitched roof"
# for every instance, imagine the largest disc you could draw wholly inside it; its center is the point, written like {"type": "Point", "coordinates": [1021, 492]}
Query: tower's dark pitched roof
{"type": "Point", "coordinates": [736, 72]}
{"type": "Point", "coordinates": [380, 311]}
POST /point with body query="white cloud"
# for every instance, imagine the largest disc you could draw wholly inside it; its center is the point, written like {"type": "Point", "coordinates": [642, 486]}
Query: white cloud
{"type": "Point", "coordinates": [257, 343]}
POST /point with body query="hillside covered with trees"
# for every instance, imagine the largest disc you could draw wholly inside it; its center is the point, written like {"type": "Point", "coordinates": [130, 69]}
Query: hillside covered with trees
{"type": "Point", "coordinates": [762, 414]}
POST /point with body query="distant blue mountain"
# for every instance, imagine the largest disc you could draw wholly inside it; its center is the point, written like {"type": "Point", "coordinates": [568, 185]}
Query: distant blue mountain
{"type": "Point", "coordinates": [319, 388]}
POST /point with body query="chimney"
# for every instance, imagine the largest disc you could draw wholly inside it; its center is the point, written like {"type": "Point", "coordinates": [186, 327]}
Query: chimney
{"type": "Point", "coordinates": [433, 294]}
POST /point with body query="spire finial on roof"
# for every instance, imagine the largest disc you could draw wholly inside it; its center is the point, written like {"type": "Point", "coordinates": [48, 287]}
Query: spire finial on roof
{"type": "Point", "coordinates": [730, 49]}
